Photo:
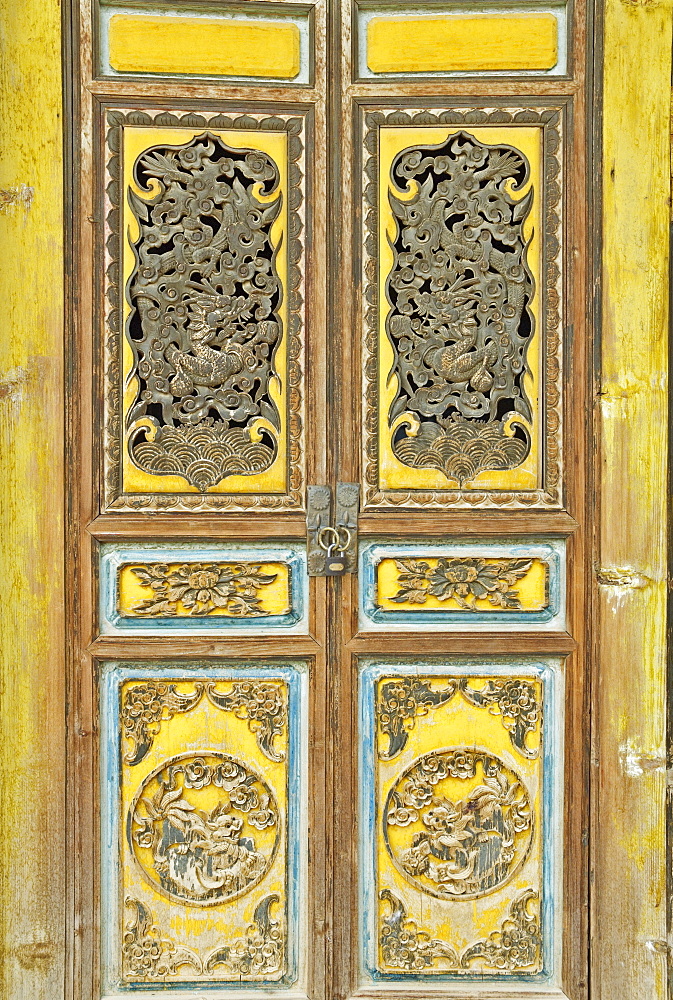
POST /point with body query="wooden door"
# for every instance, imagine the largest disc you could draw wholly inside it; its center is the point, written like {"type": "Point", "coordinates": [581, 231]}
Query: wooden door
{"type": "Point", "coordinates": [331, 301]}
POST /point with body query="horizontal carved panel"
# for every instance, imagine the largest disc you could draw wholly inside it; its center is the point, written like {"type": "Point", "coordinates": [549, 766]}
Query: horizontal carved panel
{"type": "Point", "coordinates": [462, 321]}
{"type": "Point", "coordinates": [181, 589]}
{"type": "Point", "coordinates": [457, 40]}
{"type": "Point", "coordinates": [203, 820]}
{"type": "Point", "coordinates": [461, 771]}
{"type": "Point", "coordinates": [462, 586]}
{"type": "Point", "coordinates": [203, 350]}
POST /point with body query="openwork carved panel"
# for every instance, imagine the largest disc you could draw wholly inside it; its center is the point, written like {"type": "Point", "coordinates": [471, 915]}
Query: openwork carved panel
{"type": "Point", "coordinates": [203, 819]}
{"type": "Point", "coordinates": [204, 406]}
{"type": "Point", "coordinates": [462, 323]}
{"type": "Point", "coordinates": [460, 794]}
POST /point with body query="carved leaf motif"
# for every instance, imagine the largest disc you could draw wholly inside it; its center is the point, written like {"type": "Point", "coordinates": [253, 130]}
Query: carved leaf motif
{"type": "Point", "coordinates": [204, 325]}
{"type": "Point", "coordinates": [400, 702]}
{"type": "Point", "coordinates": [460, 321]}
{"type": "Point", "coordinates": [146, 954]}
{"type": "Point", "coordinates": [203, 588]}
{"type": "Point", "coordinates": [404, 946]}
{"type": "Point", "coordinates": [262, 704]}
{"type": "Point", "coordinates": [517, 945]}
{"type": "Point", "coordinates": [145, 707]}
{"type": "Point", "coordinates": [260, 952]}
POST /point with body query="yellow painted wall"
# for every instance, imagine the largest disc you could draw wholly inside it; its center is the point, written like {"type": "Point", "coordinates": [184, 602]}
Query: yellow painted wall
{"type": "Point", "coordinates": [32, 787]}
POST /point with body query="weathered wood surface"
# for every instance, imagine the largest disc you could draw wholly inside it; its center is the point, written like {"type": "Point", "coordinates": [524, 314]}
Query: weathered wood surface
{"type": "Point", "coordinates": [629, 911]}
{"type": "Point", "coordinates": [32, 788]}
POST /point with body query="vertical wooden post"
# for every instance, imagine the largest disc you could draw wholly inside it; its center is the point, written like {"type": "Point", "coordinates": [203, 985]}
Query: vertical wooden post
{"type": "Point", "coordinates": [629, 906]}
{"type": "Point", "coordinates": [32, 785]}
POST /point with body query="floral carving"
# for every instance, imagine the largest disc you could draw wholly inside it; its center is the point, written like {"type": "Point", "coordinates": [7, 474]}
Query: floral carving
{"type": "Point", "coordinates": [515, 700]}
{"type": "Point", "coordinates": [463, 580]}
{"type": "Point", "coordinates": [263, 706]}
{"type": "Point", "coordinates": [403, 946]}
{"type": "Point", "coordinates": [202, 588]}
{"type": "Point", "coordinates": [204, 325]}
{"type": "Point", "coordinates": [517, 945]}
{"type": "Point", "coordinates": [460, 322]}
{"type": "Point", "coordinates": [260, 952]}
{"type": "Point", "coordinates": [145, 707]}
{"type": "Point", "coordinates": [458, 848]}
{"type": "Point", "coordinates": [401, 701]}
{"type": "Point", "coordinates": [146, 954]}
{"type": "Point", "coordinates": [191, 850]}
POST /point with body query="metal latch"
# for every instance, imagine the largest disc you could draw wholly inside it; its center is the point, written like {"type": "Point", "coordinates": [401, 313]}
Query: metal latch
{"type": "Point", "coordinates": [332, 529]}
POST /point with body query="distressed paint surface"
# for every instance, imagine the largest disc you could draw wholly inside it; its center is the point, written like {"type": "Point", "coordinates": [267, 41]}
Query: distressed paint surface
{"type": "Point", "coordinates": [32, 869]}
{"type": "Point", "coordinates": [247, 836]}
{"type": "Point", "coordinates": [393, 474]}
{"type": "Point", "coordinates": [629, 925]}
{"type": "Point", "coordinates": [455, 729]}
{"type": "Point", "coordinates": [462, 43]}
{"type": "Point", "coordinates": [445, 595]}
{"type": "Point", "coordinates": [142, 43]}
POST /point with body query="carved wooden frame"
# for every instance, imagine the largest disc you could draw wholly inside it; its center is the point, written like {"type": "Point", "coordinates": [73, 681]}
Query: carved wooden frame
{"type": "Point", "coordinates": [113, 440]}
{"type": "Point", "coordinates": [551, 119]}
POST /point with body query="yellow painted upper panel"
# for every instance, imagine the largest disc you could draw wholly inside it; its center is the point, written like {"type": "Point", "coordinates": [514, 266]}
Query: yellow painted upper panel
{"type": "Point", "coordinates": [232, 590]}
{"type": "Point", "coordinates": [462, 584]}
{"type": "Point", "coordinates": [205, 46]}
{"type": "Point", "coordinates": [461, 43]}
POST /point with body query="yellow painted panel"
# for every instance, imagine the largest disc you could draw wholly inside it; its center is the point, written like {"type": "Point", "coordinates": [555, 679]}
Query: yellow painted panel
{"type": "Point", "coordinates": [231, 590]}
{"type": "Point", "coordinates": [274, 478]}
{"type": "Point", "coordinates": [512, 584]}
{"type": "Point", "coordinates": [460, 43]}
{"type": "Point", "coordinates": [432, 816]}
{"type": "Point", "coordinates": [206, 46]}
{"type": "Point", "coordinates": [393, 474]}
{"type": "Point", "coordinates": [204, 814]}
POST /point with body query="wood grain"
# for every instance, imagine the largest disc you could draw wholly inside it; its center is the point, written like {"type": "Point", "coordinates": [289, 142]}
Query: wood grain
{"type": "Point", "coordinates": [32, 698]}
{"type": "Point", "coordinates": [629, 908]}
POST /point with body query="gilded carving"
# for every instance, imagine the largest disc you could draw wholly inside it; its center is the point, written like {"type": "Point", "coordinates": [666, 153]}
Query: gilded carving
{"type": "Point", "coordinates": [402, 700]}
{"type": "Point", "coordinates": [404, 946]}
{"type": "Point", "coordinates": [460, 322]}
{"type": "Point", "coordinates": [458, 823]}
{"type": "Point", "coordinates": [203, 828]}
{"type": "Point", "coordinates": [204, 400]}
{"type": "Point", "coordinates": [200, 588]}
{"type": "Point", "coordinates": [145, 706]}
{"type": "Point", "coordinates": [517, 946]}
{"type": "Point", "coordinates": [463, 580]}
{"type": "Point", "coordinates": [463, 316]}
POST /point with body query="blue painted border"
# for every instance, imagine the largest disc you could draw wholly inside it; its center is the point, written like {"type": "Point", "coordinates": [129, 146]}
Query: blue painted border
{"type": "Point", "coordinates": [551, 674]}
{"type": "Point", "coordinates": [114, 555]}
{"type": "Point", "coordinates": [552, 551]}
{"type": "Point", "coordinates": [113, 675]}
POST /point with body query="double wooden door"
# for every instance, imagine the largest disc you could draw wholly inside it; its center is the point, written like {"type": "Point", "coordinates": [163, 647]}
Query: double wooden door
{"type": "Point", "coordinates": [330, 354]}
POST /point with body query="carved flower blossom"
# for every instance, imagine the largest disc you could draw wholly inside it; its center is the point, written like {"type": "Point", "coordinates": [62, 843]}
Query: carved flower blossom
{"type": "Point", "coordinates": [202, 588]}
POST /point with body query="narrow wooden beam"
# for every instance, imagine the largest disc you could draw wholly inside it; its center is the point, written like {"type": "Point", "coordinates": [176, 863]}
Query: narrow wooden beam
{"type": "Point", "coordinates": [629, 775]}
{"type": "Point", "coordinates": [32, 671]}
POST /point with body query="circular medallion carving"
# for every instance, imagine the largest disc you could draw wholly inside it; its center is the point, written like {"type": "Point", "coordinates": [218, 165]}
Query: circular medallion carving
{"type": "Point", "coordinates": [203, 828]}
{"type": "Point", "coordinates": [458, 823]}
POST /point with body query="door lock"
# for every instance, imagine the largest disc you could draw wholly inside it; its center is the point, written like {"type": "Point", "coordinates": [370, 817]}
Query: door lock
{"type": "Point", "coordinates": [332, 542]}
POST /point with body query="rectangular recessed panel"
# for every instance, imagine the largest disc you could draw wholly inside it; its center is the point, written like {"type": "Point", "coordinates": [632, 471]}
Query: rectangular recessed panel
{"type": "Point", "coordinates": [205, 46]}
{"type": "Point", "coordinates": [183, 589]}
{"type": "Point", "coordinates": [462, 586]}
{"type": "Point", "coordinates": [205, 311]}
{"type": "Point", "coordinates": [461, 775]}
{"type": "Point", "coordinates": [462, 308]}
{"type": "Point", "coordinates": [203, 812]}
{"type": "Point", "coordinates": [450, 44]}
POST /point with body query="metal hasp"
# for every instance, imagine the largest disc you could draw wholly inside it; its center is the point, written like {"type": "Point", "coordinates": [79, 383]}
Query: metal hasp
{"type": "Point", "coordinates": [332, 529]}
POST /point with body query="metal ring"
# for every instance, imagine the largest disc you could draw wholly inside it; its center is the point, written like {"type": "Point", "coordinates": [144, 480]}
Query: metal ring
{"type": "Point", "coordinates": [327, 532]}
{"type": "Point", "coordinates": [347, 532]}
